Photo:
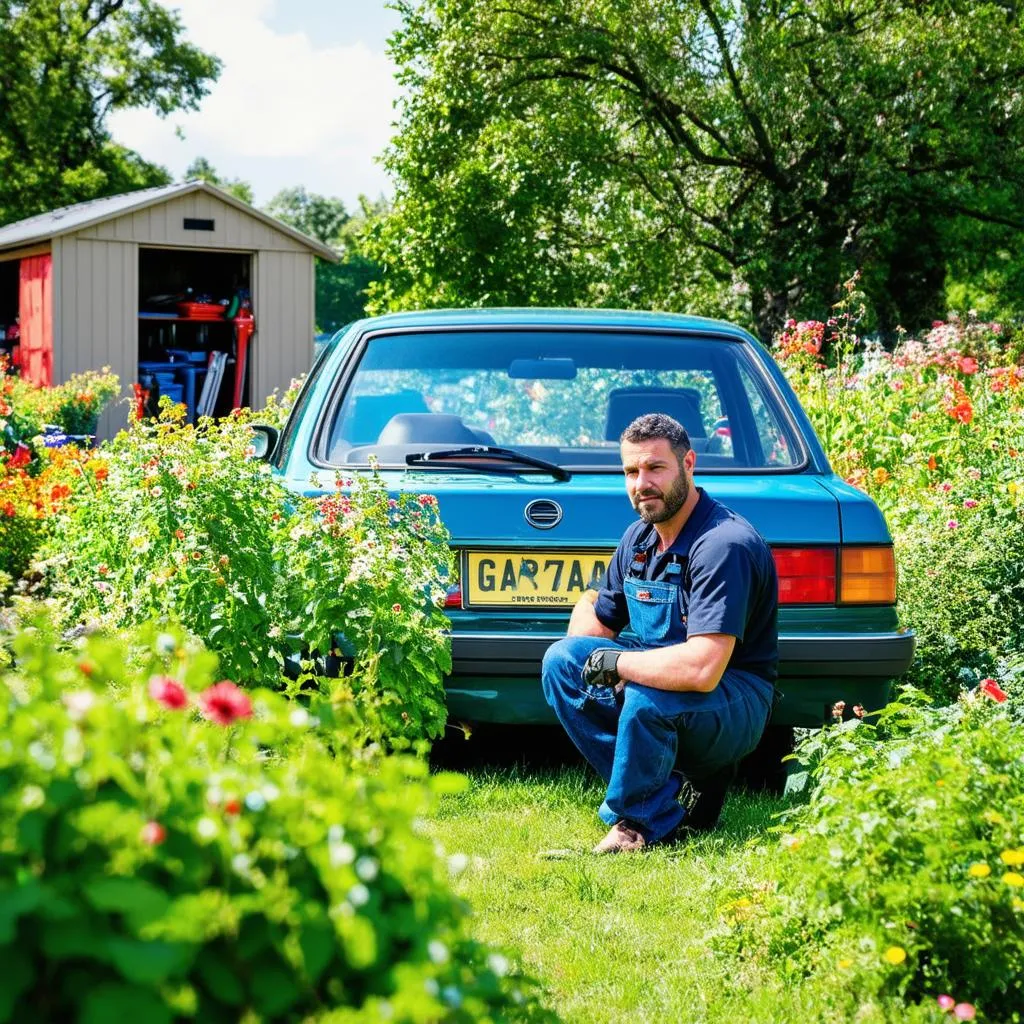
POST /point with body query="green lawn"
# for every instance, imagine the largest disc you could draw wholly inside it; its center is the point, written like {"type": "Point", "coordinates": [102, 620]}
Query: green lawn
{"type": "Point", "coordinates": [627, 937]}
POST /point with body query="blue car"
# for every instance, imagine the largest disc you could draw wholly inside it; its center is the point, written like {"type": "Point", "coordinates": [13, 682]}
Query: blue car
{"type": "Point", "coordinates": [511, 418]}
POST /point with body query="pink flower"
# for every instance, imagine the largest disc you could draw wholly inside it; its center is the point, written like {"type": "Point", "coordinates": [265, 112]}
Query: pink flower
{"type": "Point", "coordinates": [224, 703]}
{"type": "Point", "coordinates": [952, 525]}
{"type": "Point", "coordinates": [970, 503]}
{"type": "Point", "coordinates": [974, 474]}
{"type": "Point", "coordinates": [968, 365]}
{"type": "Point", "coordinates": [992, 689]}
{"type": "Point", "coordinates": [153, 833]}
{"type": "Point", "coordinates": [169, 692]}
{"type": "Point", "coordinates": [946, 1003]}
{"type": "Point", "coordinates": [963, 1011]}
{"type": "Point", "coordinates": [396, 607]}
{"type": "Point", "coordinates": [945, 487]}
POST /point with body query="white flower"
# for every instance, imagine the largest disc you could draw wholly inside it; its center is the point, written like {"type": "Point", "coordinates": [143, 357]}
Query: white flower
{"type": "Point", "coordinates": [32, 797]}
{"type": "Point", "coordinates": [78, 703]}
{"type": "Point", "coordinates": [241, 863]}
{"type": "Point", "coordinates": [359, 895]}
{"type": "Point", "coordinates": [206, 828]}
{"type": "Point", "coordinates": [499, 964]}
{"type": "Point", "coordinates": [437, 951]}
{"type": "Point", "coordinates": [335, 834]}
{"type": "Point", "coordinates": [367, 868]}
{"type": "Point", "coordinates": [165, 644]}
{"type": "Point", "coordinates": [457, 863]}
{"type": "Point", "coordinates": [255, 800]}
{"type": "Point", "coordinates": [271, 792]}
{"type": "Point", "coordinates": [299, 718]}
{"type": "Point", "coordinates": [342, 853]}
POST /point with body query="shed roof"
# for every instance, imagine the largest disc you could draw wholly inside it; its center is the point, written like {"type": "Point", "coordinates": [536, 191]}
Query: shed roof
{"type": "Point", "coordinates": [69, 219]}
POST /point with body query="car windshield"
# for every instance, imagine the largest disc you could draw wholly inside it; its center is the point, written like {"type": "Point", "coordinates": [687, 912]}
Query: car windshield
{"type": "Point", "coordinates": [561, 396]}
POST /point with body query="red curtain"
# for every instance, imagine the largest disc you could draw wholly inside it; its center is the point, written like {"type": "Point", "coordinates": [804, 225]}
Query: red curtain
{"type": "Point", "coordinates": [36, 310]}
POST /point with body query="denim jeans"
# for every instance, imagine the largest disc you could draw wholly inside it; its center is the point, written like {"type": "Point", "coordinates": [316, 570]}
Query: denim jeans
{"type": "Point", "coordinates": [636, 737]}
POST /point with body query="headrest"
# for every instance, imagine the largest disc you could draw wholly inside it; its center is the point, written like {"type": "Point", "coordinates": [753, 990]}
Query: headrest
{"type": "Point", "coordinates": [426, 428]}
{"type": "Point", "coordinates": [368, 414]}
{"type": "Point", "coordinates": [626, 404]}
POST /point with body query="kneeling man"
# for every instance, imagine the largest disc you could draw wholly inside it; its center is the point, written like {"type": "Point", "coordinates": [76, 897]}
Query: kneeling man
{"type": "Point", "coordinates": [664, 712]}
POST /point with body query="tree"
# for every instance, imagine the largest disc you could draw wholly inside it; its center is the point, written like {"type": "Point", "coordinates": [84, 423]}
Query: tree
{"type": "Point", "coordinates": [202, 170]}
{"type": "Point", "coordinates": [64, 66]}
{"type": "Point", "coordinates": [341, 288]}
{"type": "Point", "coordinates": [735, 157]}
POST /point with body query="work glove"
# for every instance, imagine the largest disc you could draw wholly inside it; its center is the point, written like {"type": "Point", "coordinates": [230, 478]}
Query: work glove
{"type": "Point", "coordinates": [600, 668]}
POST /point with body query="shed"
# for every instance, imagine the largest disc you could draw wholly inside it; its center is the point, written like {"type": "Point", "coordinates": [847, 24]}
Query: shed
{"type": "Point", "coordinates": [175, 284]}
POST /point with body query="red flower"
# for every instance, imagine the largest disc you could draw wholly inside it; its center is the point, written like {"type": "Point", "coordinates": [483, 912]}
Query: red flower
{"type": "Point", "coordinates": [992, 689]}
{"type": "Point", "coordinates": [9, 509]}
{"type": "Point", "coordinates": [21, 457]}
{"type": "Point", "coordinates": [962, 412]}
{"type": "Point", "coordinates": [396, 608]}
{"type": "Point", "coordinates": [232, 806]}
{"type": "Point", "coordinates": [180, 534]}
{"type": "Point", "coordinates": [153, 833]}
{"type": "Point", "coordinates": [169, 692]}
{"type": "Point", "coordinates": [225, 703]}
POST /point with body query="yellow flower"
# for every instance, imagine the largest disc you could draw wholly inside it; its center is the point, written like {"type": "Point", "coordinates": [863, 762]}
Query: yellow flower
{"type": "Point", "coordinates": [1017, 904]}
{"type": "Point", "coordinates": [1013, 487]}
{"type": "Point", "coordinates": [1015, 858]}
{"type": "Point", "coordinates": [994, 818]}
{"type": "Point", "coordinates": [881, 474]}
{"type": "Point", "coordinates": [1014, 878]}
{"type": "Point", "coordinates": [845, 963]}
{"type": "Point", "coordinates": [979, 871]}
{"type": "Point", "coordinates": [894, 955]}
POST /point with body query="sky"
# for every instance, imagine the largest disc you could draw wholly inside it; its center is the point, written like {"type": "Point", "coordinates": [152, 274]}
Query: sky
{"type": "Point", "coordinates": [305, 97]}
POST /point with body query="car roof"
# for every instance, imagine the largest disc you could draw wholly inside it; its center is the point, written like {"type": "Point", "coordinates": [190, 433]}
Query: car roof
{"type": "Point", "coordinates": [553, 317]}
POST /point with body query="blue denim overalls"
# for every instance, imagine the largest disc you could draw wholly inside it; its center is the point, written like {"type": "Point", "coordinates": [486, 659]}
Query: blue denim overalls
{"type": "Point", "coordinates": [635, 736]}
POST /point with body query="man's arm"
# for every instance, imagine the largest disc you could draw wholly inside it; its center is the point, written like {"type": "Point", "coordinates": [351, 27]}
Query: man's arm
{"type": "Point", "coordinates": [584, 620]}
{"type": "Point", "coordinates": [698, 664]}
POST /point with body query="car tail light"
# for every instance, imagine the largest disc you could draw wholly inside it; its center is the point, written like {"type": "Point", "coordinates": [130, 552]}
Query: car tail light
{"type": "Point", "coordinates": [867, 575]}
{"type": "Point", "coordinates": [453, 599]}
{"type": "Point", "coordinates": [806, 575]}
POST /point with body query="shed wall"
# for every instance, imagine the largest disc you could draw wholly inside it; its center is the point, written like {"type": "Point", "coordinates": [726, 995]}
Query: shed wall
{"type": "Point", "coordinates": [283, 303]}
{"type": "Point", "coordinates": [95, 314]}
{"type": "Point", "coordinates": [163, 224]}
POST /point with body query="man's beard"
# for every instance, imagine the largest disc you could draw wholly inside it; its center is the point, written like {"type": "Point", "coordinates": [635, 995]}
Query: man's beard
{"type": "Point", "coordinates": [672, 501]}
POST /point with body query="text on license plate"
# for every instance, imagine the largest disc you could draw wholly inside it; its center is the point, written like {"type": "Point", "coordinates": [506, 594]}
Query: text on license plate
{"type": "Point", "coordinates": [548, 578]}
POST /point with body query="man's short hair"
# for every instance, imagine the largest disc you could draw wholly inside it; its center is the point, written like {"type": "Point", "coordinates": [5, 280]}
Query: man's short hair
{"type": "Point", "coordinates": [656, 426]}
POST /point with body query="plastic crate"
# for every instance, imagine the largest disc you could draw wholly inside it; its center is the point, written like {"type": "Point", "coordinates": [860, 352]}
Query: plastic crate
{"type": "Point", "coordinates": [201, 310]}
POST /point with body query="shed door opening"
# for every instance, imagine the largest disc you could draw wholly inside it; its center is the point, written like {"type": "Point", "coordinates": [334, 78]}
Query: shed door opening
{"type": "Point", "coordinates": [196, 323]}
{"type": "Point", "coordinates": [10, 327]}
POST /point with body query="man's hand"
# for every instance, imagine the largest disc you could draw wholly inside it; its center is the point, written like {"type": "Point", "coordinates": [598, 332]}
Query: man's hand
{"type": "Point", "coordinates": [600, 667]}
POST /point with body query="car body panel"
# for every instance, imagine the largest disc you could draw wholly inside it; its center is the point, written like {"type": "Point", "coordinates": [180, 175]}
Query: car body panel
{"type": "Point", "coordinates": [827, 652]}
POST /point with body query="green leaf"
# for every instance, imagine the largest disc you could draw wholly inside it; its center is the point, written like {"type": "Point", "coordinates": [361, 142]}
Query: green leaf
{"type": "Point", "coordinates": [149, 962]}
{"type": "Point", "coordinates": [110, 1002]}
{"type": "Point", "coordinates": [273, 988]}
{"type": "Point", "coordinates": [140, 901]}
{"type": "Point", "coordinates": [218, 978]}
{"type": "Point", "coordinates": [318, 946]}
{"type": "Point", "coordinates": [16, 976]}
{"type": "Point", "coordinates": [13, 903]}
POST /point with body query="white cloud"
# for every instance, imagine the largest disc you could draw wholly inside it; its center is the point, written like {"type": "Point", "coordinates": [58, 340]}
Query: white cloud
{"type": "Point", "coordinates": [284, 111]}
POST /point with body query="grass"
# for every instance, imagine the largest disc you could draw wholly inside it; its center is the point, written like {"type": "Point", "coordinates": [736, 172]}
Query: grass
{"type": "Point", "coordinates": [626, 937]}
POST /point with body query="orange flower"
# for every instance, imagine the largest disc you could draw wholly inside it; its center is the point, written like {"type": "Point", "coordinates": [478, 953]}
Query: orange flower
{"type": "Point", "coordinates": [932, 464]}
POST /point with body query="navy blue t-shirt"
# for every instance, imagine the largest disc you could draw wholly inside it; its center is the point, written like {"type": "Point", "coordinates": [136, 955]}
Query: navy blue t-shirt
{"type": "Point", "coordinates": [729, 583]}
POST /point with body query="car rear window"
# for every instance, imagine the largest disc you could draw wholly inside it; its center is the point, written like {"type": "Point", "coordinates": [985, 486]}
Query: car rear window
{"type": "Point", "coordinates": [562, 396]}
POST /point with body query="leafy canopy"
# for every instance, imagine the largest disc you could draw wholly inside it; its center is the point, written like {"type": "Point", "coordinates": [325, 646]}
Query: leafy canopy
{"type": "Point", "coordinates": [727, 156]}
{"type": "Point", "coordinates": [64, 66]}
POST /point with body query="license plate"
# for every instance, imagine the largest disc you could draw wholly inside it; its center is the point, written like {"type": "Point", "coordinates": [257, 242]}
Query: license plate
{"type": "Point", "coordinates": [514, 579]}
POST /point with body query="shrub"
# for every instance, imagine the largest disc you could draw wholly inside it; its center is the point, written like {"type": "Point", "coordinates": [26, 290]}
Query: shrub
{"type": "Point", "coordinates": [74, 405]}
{"type": "Point", "coordinates": [187, 527]}
{"type": "Point", "coordinates": [934, 431]}
{"type": "Point", "coordinates": [903, 872]}
{"type": "Point", "coordinates": [172, 848]}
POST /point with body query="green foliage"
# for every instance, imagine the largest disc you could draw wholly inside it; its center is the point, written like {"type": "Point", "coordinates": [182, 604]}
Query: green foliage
{"type": "Point", "coordinates": [66, 65]}
{"type": "Point", "coordinates": [159, 864]}
{"type": "Point", "coordinates": [732, 158]}
{"type": "Point", "coordinates": [186, 527]}
{"type": "Point", "coordinates": [341, 288]}
{"type": "Point", "coordinates": [74, 405]}
{"type": "Point", "coordinates": [201, 169]}
{"type": "Point", "coordinates": [902, 873]}
{"type": "Point", "coordinates": [934, 432]}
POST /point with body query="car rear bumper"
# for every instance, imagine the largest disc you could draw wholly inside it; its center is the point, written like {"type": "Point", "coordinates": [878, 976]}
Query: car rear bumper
{"type": "Point", "coordinates": [496, 677]}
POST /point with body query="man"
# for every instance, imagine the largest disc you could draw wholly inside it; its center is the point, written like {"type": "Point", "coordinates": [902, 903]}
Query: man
{"type": "Point", "coordinates": [663, 716]}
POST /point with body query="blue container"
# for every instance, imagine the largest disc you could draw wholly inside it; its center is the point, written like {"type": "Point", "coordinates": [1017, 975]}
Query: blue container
{"type": "Point", "coordinates": [181, 355]}
{"type": "Point", "coordinates": [175, 392]}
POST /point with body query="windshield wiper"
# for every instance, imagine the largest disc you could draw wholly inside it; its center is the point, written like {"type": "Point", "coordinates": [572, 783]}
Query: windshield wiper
{"type": "Point", "coordinates": [465, 457]}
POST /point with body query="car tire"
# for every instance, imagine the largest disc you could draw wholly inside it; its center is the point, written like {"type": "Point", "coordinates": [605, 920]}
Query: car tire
{"type": "Point", "coordinates": [763, 769]}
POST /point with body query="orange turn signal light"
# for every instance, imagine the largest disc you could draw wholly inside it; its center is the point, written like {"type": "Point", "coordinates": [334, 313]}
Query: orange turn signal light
{"type": "Point", "coordinates": [867, 575]}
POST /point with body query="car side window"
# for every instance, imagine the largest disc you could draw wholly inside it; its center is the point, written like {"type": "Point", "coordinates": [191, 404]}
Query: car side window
{"type": "Point", "coordinates": [773, 434]}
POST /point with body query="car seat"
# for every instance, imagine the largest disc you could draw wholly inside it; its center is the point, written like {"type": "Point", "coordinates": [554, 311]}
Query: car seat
{"type": "Point", "coordinates": [626, 404]}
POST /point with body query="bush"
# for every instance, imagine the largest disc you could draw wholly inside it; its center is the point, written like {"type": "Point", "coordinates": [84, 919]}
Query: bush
{"type": "Point", "coordinates": [74, 405]}
{"type": "Point", "coordinates": [934, 431]}
{"type": "Point", "coordinates": [172, 848]}
{"type": "Point", "coordinates": [187, 527]}
{"type": "Point", "coordinates": [904, 870]}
